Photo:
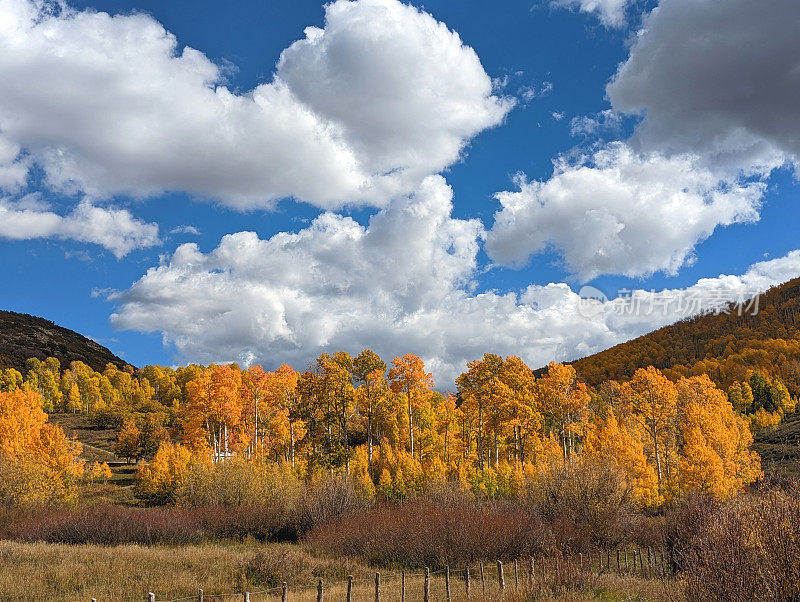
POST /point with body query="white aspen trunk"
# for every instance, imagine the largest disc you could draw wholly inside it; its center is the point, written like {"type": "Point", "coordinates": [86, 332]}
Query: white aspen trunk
{"type": "Point", "coordinates": [446, 454]}
{"type": "Point", "coordinates": [291, 443]}
{"type": "Point", "coordinates": [369, 441]}
{"type": "Point", "coordinates": [410, 426]}
{"type": "Point", "coordinates": [480, 435]}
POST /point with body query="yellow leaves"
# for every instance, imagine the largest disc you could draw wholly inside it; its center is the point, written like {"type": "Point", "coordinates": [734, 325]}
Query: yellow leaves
{"type": "Point", "coordinates": [715, 456]}
{"type": "Point", "coordinates": [100, 471]}
{"type": "Point", "coordinates": [359, 472]}
{"type": "Point", "coordinates": [503, 431]}
{"type": "Point", "coordinates": [407, 374]}
{"type": "Point", "coordinates": [37, 462]}
{"type": "Point", "coordinates": [651, 396]}
{"type": "Point", "coordinates": [563, 401]}
{"type": "Point", "coordinates": [762, 419]}
{"type": "Point", "coordinates": [608, 441]}
{"type": "Point", "coordinates": [10, 379]}
{"type": "Point", "coordinates": [400, 475]}
{"type": "Point", "coordinates": [127, 444]}
{"type": "Point", "coordinates": [164, 476]}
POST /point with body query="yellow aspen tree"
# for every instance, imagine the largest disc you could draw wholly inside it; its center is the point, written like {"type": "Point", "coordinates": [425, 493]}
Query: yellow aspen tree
{"type": "Point", "coordinates": [162, 479]}
{"type": "Point", "coordinates": [127, 444]}
{"type": "Point", "coordinates": [608, 441]}
{"type": "Point", "coordinates": [408, 378]}
{"type": "Point", "coordinates": [715, 456]}
{"type": "Point", "coordinates": [38, 463]}
{"type": "Point", "coordinates": [369, 373]}
{"type": "Point", "coordinates": [475, 388]}
{"type": "Point", "coordinates": [564, 402]}
{"type": "Point", "coordinates": [652, 400]}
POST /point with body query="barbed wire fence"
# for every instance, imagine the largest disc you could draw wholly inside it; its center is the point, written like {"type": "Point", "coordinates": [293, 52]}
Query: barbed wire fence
{"type": "Point", "coordinates": [558, 573]}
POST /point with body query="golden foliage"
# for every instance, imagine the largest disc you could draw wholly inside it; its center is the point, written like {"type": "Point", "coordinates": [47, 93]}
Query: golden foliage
{"type": "Point", "coordinates": [38, 464]}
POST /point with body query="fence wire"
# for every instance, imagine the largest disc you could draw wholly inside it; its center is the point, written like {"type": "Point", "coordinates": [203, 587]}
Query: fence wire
{"type": "Point", "coordinates": [526, 571]}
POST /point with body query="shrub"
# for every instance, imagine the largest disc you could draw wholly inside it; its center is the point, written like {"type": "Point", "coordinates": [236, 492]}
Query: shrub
{"type": "Point", "coordinates": [328, 499]}
{"type": "Point", "coordinates": [743, 549]}
{"type": "Point", "coordinates": [423, 533]}
{"type": "Point", "coordinates": [587, 506]}
{"type": "Point", "coordinates": [113, 525]}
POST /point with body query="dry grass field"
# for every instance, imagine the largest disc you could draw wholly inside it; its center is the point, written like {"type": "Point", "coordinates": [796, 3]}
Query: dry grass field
{"type": "Point", "coordinates": [38, 571]}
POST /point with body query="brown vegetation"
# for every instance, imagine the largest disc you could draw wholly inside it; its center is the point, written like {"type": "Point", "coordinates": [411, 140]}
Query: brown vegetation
{"type": "Point", "coordinates": [743, 549]}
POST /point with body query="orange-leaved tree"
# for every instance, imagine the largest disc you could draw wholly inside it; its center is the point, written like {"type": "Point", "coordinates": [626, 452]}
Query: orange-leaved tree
{"type": "Point", "coordinates": [38, 463]}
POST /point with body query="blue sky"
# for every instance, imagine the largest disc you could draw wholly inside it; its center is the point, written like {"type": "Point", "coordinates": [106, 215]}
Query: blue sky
{"type": "Point", "coordinates": [549, 63]}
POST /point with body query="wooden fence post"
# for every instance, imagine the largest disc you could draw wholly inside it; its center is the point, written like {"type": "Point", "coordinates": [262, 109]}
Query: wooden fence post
{"type": "Point", "coordinates": [500, 578]}
{"type": "Point", "coordinates": [247, 597]}
{"type": "Point", "coordinates": [151, 597]}
{"type": "Point", "coordinates": [516, 575]}
{"type": "Point", "coordinates": [483, 579]}
{"type": "Point", "coordinates": [320, 591]}
{"type": "Point", "coordinates": [427, 591]}
{"type": "Point", "coordinates": [377, 587]}
{"type": "Point", "coordinates": [599, 562]}
{"type": "Point", "coordinates": [200, 595]}
{"type": "Point", "coordinates": [618, 567]}
{"type": "Point", "coordinates": [466, 579]}
{"type": "Point", "coordinates": [284, 592]}
{"type": "Point", "coordinates": [580, 561]}
{"type": "Point", "coordinates": [349, 588]}
{"type": "Point", "coordinates": [447, 582]}
{"type": "Point", "coordinates": [626, 561]}
{"type": "Point", "coordinates": [532, 576]}
{"type": "Point", "coordinates": [403, 586]}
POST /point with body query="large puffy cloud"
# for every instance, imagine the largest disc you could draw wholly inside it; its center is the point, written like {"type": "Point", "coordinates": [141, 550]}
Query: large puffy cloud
{"type": "Point", "coordinates": [619, 212]}
{"type": "Point", "coordinates": [360, 111]}
{"type": "Point", "coordinates": [717, 86]}
{"type": "Point", "coordinates": [114, 229]}
{"type": "Point", "coordinates": [718, 79]}
{"type": "Point", "coordinates": [405, 283]}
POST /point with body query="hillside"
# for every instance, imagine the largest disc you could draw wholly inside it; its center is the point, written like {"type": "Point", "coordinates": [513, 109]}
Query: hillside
{"type": "Point", "coordinates": [23, 336]}
{"type": "Point", "coordinates": [779, 448]}
{"type": "Point", "coordinates": [724, 346]}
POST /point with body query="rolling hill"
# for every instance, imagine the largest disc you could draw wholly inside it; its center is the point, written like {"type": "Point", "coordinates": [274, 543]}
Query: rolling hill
{"type": "Point", "coordinates": [23, 336]}
{"type": "Point", "coordinates": [727, 347]}
{"type": "Point", "coordinates": [724, 345]}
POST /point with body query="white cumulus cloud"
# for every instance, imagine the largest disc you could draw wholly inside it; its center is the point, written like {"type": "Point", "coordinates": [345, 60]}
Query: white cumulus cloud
{"type": "Point", "coordinates": [361, 110]}
{"type": "Point", "coordinates": [405, 283]}
{"type": "Point", "coordinates": [716, 86]}
{"type": "Point", "coordinates": [111, 228]}
{"type": "Point", "coordinates": [618, 212]}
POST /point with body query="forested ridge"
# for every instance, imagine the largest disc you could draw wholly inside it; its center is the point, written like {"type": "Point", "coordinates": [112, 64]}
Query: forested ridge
{"type": "Point", "coordinates": [726, 346]}
{"type": "Point", "coordinates": [23, 336]}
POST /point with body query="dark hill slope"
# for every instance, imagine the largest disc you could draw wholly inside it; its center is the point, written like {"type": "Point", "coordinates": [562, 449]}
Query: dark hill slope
{"type": "Point", "coordinates": [779, 448]}
{"type": "Point", "coordinates": [23, 336]}
{"type": "Point", "coordinates": [723, 345]}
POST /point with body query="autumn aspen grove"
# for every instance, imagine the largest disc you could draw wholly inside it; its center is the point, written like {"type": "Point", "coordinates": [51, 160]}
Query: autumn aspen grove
{"type": "Point", "coordinates": [380, 300]}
